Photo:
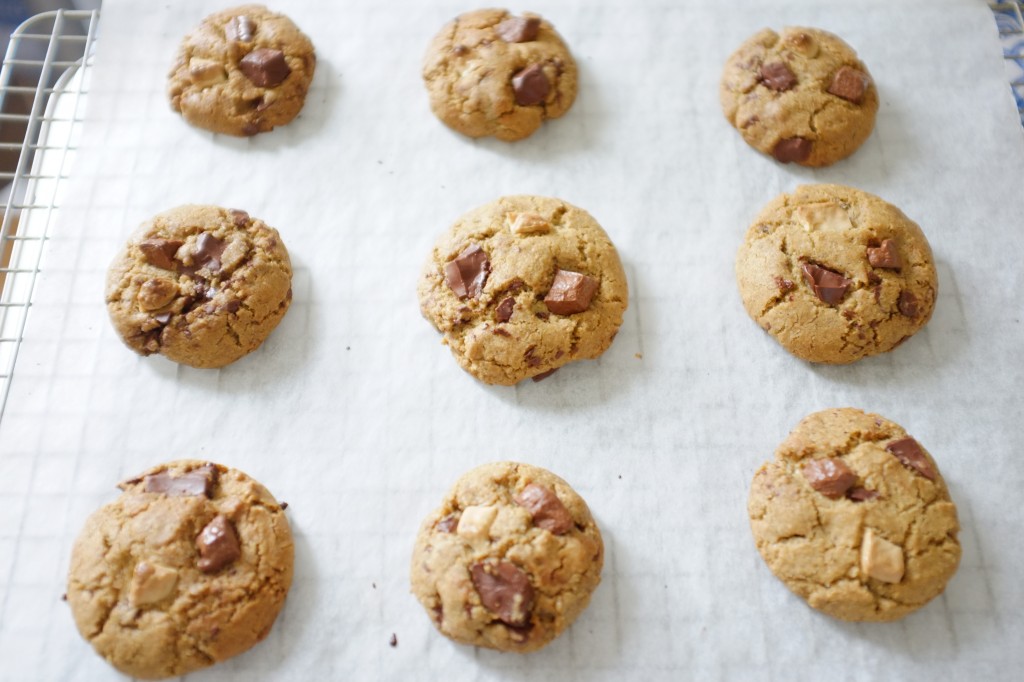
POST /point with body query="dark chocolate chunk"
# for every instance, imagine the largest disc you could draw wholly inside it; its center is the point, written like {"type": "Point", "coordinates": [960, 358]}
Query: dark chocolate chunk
{"type": "Point", "coordinates": [830, 477]}
{"type": "Point", "coordinates": [241, 28]}
{"type": "Point", "coordinates": [530, 85]}
{"type": "Point", "coordinates": [505, 589]}
{"type": "Point", "coordinates": [160, 252]}
{"type": "Point", "coordinates": [217, 545]}
{"type": "Point", "coordinates": [909, 452]}
{"type": "Point", "coordinates": [504, 311]}
{"type": "Point", "coordinates": [198, 481]}
{"type": "Point", "coordinates": [266, 68]}
{"type": "Point", "coordinates": [547, 510]}
{"type": "Point", "coordinates": [885, 256]}
{"type": "Point", "coordinates": [850, 84]}
{"type": "Point", "coordinates": [518, 29]}
{"type": "Point", "coordinates": [907, 304]}
{"type": "Point", "coordinates": [208, 251]}
{"type": "Point", "coordinates": [232, 306]}
{"type": "Point", "coordinates": [467, 274]}
{"type": "Point", "coordinates": [570, 292]}
{"type": "Point", "coordinates": [792, 149]}
{"type": "Point", "coordinates": [777, 76]}
{"type": "Point", "coordinates": [828, 285]}
{"type": "Point", "coordinates": [859, 494]}
{"type": "Point", "coordinates": [543, 375]}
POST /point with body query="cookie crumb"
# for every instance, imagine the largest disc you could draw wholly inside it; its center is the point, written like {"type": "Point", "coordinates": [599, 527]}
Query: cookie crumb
{"type": "Point", "coordinates": [638, 356]}
{"type": "Point", "coordinates": [64, 597]}
{"type": "Point", "coordinates": [393, 641]}
{"type": "Point", "coordinates": [284, 505]}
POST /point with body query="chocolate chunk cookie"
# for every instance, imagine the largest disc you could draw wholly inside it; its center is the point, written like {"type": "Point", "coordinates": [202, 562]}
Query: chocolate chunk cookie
{"type": "Point", "coordinates": [199, 284]}
{"type": "Point", "coordinates": [854, 517]}
{"type": "Point", "coordinates": [509, 559]}
{"type": "Point", "coordinates": [836, 274]}
{"type": "Point", "coordinates": [801, 97]}
{"type": "Point", "coordinates": [188, 567]}
{"type": "Point", "coordinates": [522, 286]}
{"type": "Point", "coordinates": [490, 72]}
{"type": "Point", "coordinates": [242, 71]}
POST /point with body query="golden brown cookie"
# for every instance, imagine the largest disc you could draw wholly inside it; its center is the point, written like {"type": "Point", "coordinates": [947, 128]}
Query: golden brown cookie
{"type": "Point", "coordinates": [802, 96]}
{"type": "Point", "coordinates": [854, 517]}
{"type": "Point", "coordinates": [489, 72]}
{"type": "Point", "coordinates": [200, 285]}
{"type": "Point", "coordinates": [523, 285]}
{"type": "Point", "coordinates": [836, 274]}
{"type": "Point", "coordinates": [509, 559]}
{"type": "Point", "coordinates": [188, 567]}
{"type": "Point", "coordinates": [242, 71]}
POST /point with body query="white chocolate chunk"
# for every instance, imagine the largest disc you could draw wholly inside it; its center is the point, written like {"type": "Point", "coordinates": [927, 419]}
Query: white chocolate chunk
{"type": "Point", "coordinates": [881, 559]}
{"type": "Point", "coordinates": [527, 223]}
{"type": "Point", "coordinates": [826, 216]}
{"type": "Point", "coordinates": [475, 522]}
{"type": "Point", "coordinates": [205, 72]}
{"type": "Point", "coordinates": [151, 583]}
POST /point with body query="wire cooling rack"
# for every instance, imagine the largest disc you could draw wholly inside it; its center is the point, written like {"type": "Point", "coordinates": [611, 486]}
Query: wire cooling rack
{"type": "Point", "coordinates": [43, 87]}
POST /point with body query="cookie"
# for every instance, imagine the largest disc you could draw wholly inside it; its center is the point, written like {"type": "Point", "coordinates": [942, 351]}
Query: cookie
{"type": "Point", "coordinates": [522, 286]}
{"type": "Point", "coordinates": [509, 559]}
{"type": "Point", "coordinates": [188, 567]}
{"type": "Point", "coordinates": [854, 517]}
{"type": "Point", "coordinates": [242, 71]}
{"type": "Point", "coordinates": [801, 97]}
{"type": "Point", "coordinates": [490, 72]}
{"type": "Point", "coordinates": [836, 274]}
{"type": "Point", "coordinates": [201, 285]}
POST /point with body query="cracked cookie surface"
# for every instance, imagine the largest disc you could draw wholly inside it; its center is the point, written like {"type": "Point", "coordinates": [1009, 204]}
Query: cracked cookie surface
{"type": "Point", "coordinates": [801, 96]}
{"type": "Point", "coordinates": [854, 517]}
{"type": "Point", "coordinates": [242, 71]}
{"type": "Point", "coordinates": [489, 72]}
{"type": "Point", "coordinates": [201, 285]}
{"type": "Point", "coordinates": [188, 567]}
{"type": "Point", "coordinates": [509, 559]}
{"type": "Point", "coordinates": [836, 274]}
{"type": "Point", "coordinates": [522, 286]}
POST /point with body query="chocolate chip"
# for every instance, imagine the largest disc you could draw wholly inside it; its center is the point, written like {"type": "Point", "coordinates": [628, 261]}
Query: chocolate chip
{"type": "Point", "coordinates": [547, 510]}
{"type": "Point", "coordinates": [907, 304]}
{"type": "Point", "coordinates": [240, 218]}
{"type": "Point", "coordinates": [160, 252]}
{"type": "Point", "coordinates": [531, 359]}
{"type": "Point", "coordinates": [850, 84]}
{"type": "Point", "coordinates": [448, 524]}
{"type": "Point", "coordinates": [198, 481]}
{"type": "Point", "coordinates": [830, 477]}
{"type": "Point", "coordinates": [284, 505]}
{"type": "Point", "coordinates": [570, 292]}
{"type": "Point", "coordinates": [777, 76]}
{"type": "Point", "coordinates": [792, 149]}
{"type": "Point", "coordinates": [859, 494]}
{"type": "Point", "coordinates": [543, 375]}
{"type": "Point", "coordinates": [232, 306]}
{"type": "Point", "coordinates": [504, 589]}
{"type": "Point", "coordinates": [909, 452]}
{"type": "Point", "coordinates": [266, 68]}
{"type": "Point", "coordinates": [785, 285]}
{"type": "Point", "coordinates": [885, 256]}
{"type": "Point", "coordinates": [467, 274]}
{"type": "Point", "coordinates": [394, 640]}
{"type": "Point", "coordinates": [518, 29]}
{"type": "Point", "coordinates": [504, 311]}
{"type": "Point", "coordinates": [241, 28]}
{"type": "Point", "coordinates": [208, 251]}
{"type": "Point", "coordinates": [828, 285]}
{"type": "Point", "coordinates": [217, 545]}
{"type": "Point", "coordinates": [530, 85]}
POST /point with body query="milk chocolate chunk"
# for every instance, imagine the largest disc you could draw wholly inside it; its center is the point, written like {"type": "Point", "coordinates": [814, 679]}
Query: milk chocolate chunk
{"type": "Point", "coordinates": [467, 274]}
{"type": "Point", "coordinates": [208, 251]}
{"type": "Point", "coordinates": [830, 477]}
{"type": "Point", "coordinates": [850, 84]}
{"type": "Point", "coordinates": [828, 285]}
{"type": "Point", "coordinates": [160, 252]}
{"type": "Point", "coordinates": [217, 545]}
{"type": "Point", "coordinates": [241, 28]}
{"type": "Point", "coordinates": [909, 452]}
{"type": "Point", "coordinates": [239, 218]}
{"type": "Point", "coordinates": [199, 481]}
{"type": "Point", "coordinates": [571, 292]}
{"type": "Point", "coordinates": [777, 76]}
{"type": "Point", "coordinates": [156, 293]}
{"type": "Point", "coordinates": [266, 68]}
{"type": "Point", "coordinates": [885, 256]}
{"type": "Point", "coordinates": [504, 589]}
{"type": "Point", "coordinates": [530, 85]}
{"type": "Point", "coordinates": [907, 304]}
{"type": "Point", "coordinates": [504, 310]}
{"type": "Point", "coordinates": [518, 29]}
{"type": "Point", "coordinates": [448, 524]}
{"type": "Point", "coordinates": [859, 494]}
{"type": "Point", "coordinates": [543, 375]}
{"type": "Point", "coordinates": [547, 510]}
{"type": "Point", "coordinates": [792, 149]}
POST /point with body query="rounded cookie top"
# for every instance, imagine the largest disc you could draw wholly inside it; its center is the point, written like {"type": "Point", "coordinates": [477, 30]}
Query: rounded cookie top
{"type": "Point", "coordinates": [836, 274]}
{"type": "Point", "coordinates": [523, 285]}
{"type": "Point", "coordinates": [853, 516]}
{"type": "Point", "coordinates": [201, 285]}
{"type": "Point", "coordinates": [509, 559]}
{"type": "Point", "coordinates": [188, 567]}
{"type": "Point", "coordinates": [242, 71]}
{"type": "Point", "coordinates": [490, 72]}
{"type": "Point", "coordinates": [802, 96]}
